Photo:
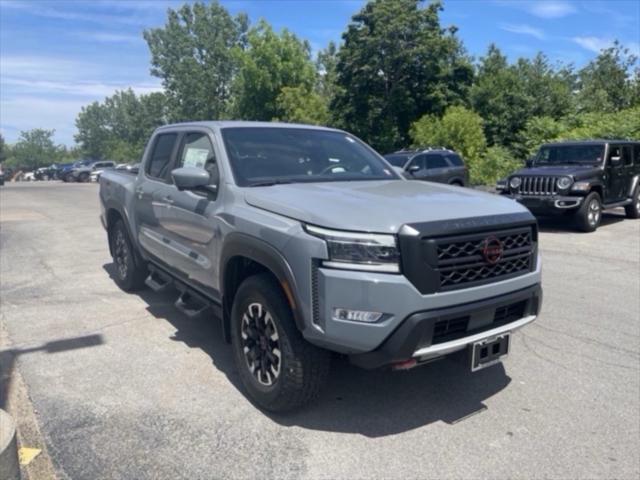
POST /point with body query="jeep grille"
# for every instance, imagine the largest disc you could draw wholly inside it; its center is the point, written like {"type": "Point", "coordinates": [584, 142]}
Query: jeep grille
{"type": "Point", "coordinates": [538, 186]}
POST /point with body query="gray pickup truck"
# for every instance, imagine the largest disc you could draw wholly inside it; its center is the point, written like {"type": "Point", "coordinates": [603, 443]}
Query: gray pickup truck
{"type": "Point", "coordinates": [303, 241]}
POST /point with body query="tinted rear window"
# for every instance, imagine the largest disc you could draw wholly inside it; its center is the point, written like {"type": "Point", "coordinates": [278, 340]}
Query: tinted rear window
{"type": "Point", "coordinates": [158, 164]}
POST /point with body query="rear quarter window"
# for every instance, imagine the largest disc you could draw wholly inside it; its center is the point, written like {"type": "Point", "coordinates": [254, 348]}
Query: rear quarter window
{"type": "Point", "coordinates": [455, 160]}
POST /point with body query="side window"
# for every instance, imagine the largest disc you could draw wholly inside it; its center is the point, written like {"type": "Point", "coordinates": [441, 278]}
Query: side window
{"type": "Point", "coordinates": [627, 155]}
{"type": "Point", "coordinates": [436, 161]}
{"type": "Point", "coordinates": [614, 151]}
{"type": "Point", "coordinates": [637, 154]}
{"type": "Point", "coordinates": [197, 151]}
{"type": "Point", "coordinates": [160, 160]}
{"type": "Point", "coordinates": [419, 161]}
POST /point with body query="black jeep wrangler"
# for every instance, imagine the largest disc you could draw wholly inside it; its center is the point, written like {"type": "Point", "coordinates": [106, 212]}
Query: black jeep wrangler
{"type": "Point", "coordinates": [579, 179]}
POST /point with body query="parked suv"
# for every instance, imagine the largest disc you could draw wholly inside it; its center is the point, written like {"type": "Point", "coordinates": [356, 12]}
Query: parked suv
{"type": "Point", "coordinates": [432, 164]}
{"type": "Point", "coordinates": [304, 241]}
{"type": "Point", "coordinates": [580, 179]}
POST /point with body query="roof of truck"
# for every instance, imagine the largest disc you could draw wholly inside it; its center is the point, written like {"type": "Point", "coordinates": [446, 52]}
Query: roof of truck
{"type": "Point", "coordinates": [242, 124]}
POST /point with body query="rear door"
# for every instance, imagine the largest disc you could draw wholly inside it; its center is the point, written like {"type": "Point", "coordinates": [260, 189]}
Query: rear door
{"type": "Point", "coordinates": [629, 167]}
{"type": "Point", "coordinates": [437, 168]}
{"type": "Point", "coordinates": [153, 186]}
{"type": "Point", "coordinates": [615, 176]}
{"type": "Point", "coordinates": [188, 220]}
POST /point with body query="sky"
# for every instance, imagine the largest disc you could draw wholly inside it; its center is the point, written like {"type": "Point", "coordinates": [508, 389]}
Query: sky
{"type": "Point", "coordinates": [56, 56]}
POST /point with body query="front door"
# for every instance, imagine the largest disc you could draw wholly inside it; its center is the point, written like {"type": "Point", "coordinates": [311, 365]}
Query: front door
{"type": "Point", "coordinates": [188, 221]}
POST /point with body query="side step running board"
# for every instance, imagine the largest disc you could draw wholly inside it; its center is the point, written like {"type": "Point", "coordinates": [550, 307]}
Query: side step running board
{"type": "Point", "coordinates": [191, 304]}
{"type": "Point", "coordinates": [157, 281]}
{"type": "Point", "coordinates": [618, 204]}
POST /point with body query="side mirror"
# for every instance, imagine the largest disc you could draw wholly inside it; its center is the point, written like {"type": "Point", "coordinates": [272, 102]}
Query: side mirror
{"type": "Point", "coordinates": [413, 169]}
{"type": "Point", "coordinates": [615, 161]}
{"type": "Point", "coordinates": [192, 178]}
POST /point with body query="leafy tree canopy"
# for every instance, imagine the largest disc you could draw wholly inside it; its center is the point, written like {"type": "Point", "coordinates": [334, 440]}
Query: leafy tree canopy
{"type": "Point", "coordinates": [397, 64]}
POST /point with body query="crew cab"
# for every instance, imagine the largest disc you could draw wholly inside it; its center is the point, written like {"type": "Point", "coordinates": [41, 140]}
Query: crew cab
{"type": "Point", "coordinates": [579, 179]}
{"type": "Point", "coordinates": [304, 241]}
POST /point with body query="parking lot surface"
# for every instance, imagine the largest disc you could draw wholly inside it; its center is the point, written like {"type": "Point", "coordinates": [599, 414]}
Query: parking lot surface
{"type": "Point", "coordinates": [125, 386]}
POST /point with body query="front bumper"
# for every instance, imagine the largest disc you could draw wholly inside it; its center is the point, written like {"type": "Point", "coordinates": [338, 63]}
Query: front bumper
{"type": "Point", "coordinates": [422, 336]}
{"type": "Point", "coordinates": [549, 204]}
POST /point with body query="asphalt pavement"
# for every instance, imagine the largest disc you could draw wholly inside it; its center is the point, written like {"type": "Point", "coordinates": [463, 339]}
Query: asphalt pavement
{"type": "Point", "coordinates": [124, 386]}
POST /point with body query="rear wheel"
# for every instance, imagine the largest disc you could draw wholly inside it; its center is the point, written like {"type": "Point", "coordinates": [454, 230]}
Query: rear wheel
{"type": "Point", "coordinates": [589, 215]}
{"type": "Point", "coordinates": [633, 210]}
{"type": "Point", "coordinates": [278, 368]}
{"type": "Point", "coordinates": [83, 177]}
{"type": "Point", "coordinates": [128, 275]}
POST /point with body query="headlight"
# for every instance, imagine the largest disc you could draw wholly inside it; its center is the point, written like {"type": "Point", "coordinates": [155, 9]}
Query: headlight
{"type": "Point", "coordinates": [564, 183]}
{"type": "Point", "coordinates": [359, 251]}
{"type": "Point", "coordinates": [581, 187]}
{"type": "Point", "coordinates": [515, 182]}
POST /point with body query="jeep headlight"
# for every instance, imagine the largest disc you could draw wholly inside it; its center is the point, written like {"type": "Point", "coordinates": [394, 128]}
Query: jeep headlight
{"type": "Point", "coordinates": [373, 252]}
{"type": "Point", "coordinates": [515, 182]}
{"type": "Point", "coordinates": [564, 183]}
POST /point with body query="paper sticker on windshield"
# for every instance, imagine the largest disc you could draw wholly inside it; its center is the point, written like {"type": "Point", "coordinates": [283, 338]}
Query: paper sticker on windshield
{"type": "Point", "coordinates": [196, 157]}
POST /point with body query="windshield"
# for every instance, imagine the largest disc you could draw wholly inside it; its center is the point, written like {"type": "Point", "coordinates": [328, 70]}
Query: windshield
{"type": "Point", "coordinates": [570, 154]}
{"type": "Point", "coordinates": [396, 160]}
{"type": "Point", "coordinates": [270, 155]}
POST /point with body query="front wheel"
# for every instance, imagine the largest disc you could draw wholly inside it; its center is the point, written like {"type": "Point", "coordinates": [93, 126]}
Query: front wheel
{"type": "Point", "coordinates": [279, 369]}
{"type": "Point", "coordinates": [128, 275]}
{"type": "Point", "coordinates": [83, 177]}
{"type": "Point", "coordinates": [633, 210]}
{"type": "Point", "coordinates": [589, 215]}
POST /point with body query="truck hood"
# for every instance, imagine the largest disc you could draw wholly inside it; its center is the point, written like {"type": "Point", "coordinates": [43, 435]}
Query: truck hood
{"type": "Point", "coordinates": [377, 206]}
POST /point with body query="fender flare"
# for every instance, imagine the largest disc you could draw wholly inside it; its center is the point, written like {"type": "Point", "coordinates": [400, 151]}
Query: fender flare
{"type": "Point", "coordinates": [111, 205]}
{"type": "Point", "coordinates": [243, 245]}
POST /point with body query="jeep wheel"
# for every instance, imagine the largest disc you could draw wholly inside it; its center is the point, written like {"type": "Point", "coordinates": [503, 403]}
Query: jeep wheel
{"type": "Point", "coordinates": [83, 177]}
{"type": "Point", "coordinates": [128, 275]}
{"type": "Point", "coordinates": [590, 213]}
{"type": "Point", "coordinates": [279, 369]}
{"type": "Point", "coordinates": [633, 210]}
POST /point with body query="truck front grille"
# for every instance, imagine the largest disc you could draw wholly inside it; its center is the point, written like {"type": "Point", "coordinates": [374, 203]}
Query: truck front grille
{"type": "Point", "coordinates": [538, 186]}
{"type": "Point", "coordinates": [461, 262]}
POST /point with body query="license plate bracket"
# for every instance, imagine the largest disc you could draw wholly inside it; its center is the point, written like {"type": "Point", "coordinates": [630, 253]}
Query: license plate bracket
{"type": "Point", "coordinates": [489, 351]}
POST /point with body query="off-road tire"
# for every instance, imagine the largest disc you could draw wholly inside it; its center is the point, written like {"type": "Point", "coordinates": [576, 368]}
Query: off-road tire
{"type": "Point", "coordinates": [303, 367]}
{"type": "Point", "coordinates": [589, 215]}
{"type": "Point", "coordinates": [83, 177]}
{"type": "Point", "coordinates": [128, 274]}
{"type": "Point", "coordinates": [633, 210]}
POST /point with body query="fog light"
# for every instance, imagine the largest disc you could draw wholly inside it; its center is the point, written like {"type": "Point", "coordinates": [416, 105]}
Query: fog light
{"type": "Point", "coordinates": [356, 315]}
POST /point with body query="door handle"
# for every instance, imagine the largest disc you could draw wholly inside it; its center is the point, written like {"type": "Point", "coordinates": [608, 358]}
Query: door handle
{"type": "Point", "coordinates": [168, 199]}
{"type": "Point", "coordinates": [139, 193]}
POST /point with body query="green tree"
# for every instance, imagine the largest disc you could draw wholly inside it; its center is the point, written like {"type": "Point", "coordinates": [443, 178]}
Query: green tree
{"type": "Point", "coordinates": [606, 84]}
{"type": "Point", "coordinates": [34, 148]}
{"type": "Point", "coordinates": [326, 64]}
{"type": "Point", "coordinates": [299, 105]}
{"type": "Point", "coordinates": [500, 96]}
{"type": "Point", "coordinates": [497, 162]}
{"type": "Point", "coordinates": [196, 54]}
{"type": "Point", "coordinates": [459, 129]}
{"type": "Point", "coordinates": [270, 63]}
{"type": "Point", "coordinates": [3, 149]}
{"type": "Point", "coordinates": [538, 130]}
{"type": "Point", "coordinates": [621, 124]}
{"type": "Point", "coordinates": [397, 64]}
{"type": "Point", "coordinates": [119, 128]}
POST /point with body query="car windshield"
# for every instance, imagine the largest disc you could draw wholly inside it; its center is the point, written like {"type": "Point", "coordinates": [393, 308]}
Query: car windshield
{"type": "Point", "coordinates": [271, 155]}
{"type": "Point", "coordinates": [396, 160]}
{"type": "Point", "coordinates": [570, 154]}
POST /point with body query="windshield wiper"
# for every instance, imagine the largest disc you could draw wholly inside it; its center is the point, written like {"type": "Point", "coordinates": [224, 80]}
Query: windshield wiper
{"type": "Point", "coordinates": [269, 183]}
